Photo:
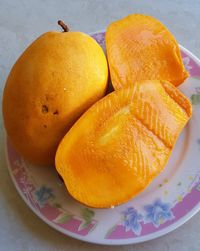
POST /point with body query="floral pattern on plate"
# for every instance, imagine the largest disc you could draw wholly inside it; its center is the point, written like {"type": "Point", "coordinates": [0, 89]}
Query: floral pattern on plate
{"type": "Point", "coordinates": [131, 220]}
{"type": "Point", "coordinates": [158, 213]}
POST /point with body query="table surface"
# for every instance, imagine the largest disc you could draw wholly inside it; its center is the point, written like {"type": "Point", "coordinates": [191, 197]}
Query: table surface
{"type": "Point", "coordinates": [20, 23]}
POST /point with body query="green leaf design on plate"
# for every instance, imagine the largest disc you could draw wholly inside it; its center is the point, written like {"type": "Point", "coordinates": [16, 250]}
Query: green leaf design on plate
{"type": "Point", "coordinates": [195, 77]}
{"type": "Point", "coordinates": [83, 225]}
{"type": "Point", "coordinates": [198, 187]}
{"type": "Point", "coordinates": [195, 99]}
{"type": "Point", "coordinates": [56, 205]}
{"type": "Point", "coordinates": [62, 218]}
{"type": "Point", "coordinates": [110, 231]}
{"type": "Point", "coordinates": [87, 214]}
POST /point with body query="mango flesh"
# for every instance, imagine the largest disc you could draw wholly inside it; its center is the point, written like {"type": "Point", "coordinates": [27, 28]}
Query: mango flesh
{"type": "Point", "coordinates": [140, 48]}
{"type": "Point", "coordinates": [122, 143]}
{"type": "Point", "coordinates": [55, 80]}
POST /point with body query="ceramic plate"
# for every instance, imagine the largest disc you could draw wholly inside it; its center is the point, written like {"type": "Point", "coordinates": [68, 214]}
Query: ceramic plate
{"type": "Point", "coordinates": [171, 199]}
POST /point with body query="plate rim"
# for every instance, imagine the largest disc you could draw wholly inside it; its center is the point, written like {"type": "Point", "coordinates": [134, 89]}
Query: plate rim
{"type": "Point", "coordinates": [114, 242]}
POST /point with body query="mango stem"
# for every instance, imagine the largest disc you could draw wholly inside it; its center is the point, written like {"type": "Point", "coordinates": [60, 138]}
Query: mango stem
{"type": "Point", "coordinates": [63, 26]}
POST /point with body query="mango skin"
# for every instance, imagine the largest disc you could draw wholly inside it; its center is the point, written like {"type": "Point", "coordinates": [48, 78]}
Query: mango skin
{"type": "Point", "coordinates": [57, 78]}
{"type": "Point", "coordinates": [119, 145]}
{"type": "Point", "coordinates": [140, 47]}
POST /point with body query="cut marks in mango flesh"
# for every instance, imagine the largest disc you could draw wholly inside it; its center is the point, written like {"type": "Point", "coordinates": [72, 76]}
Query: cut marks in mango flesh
{"type": "Point", "coordinates": [122, 143]}
{"type": "Point", "coordinates": [140, 48]}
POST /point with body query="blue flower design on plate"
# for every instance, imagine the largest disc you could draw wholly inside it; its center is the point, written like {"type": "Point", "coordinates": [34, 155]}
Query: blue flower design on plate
{"type": "Point", "coordinates": [158, 213]}
{"type": "Point", "coordinates": [43, 194]}
{"type": "Point", "coordinates": [131, 220]}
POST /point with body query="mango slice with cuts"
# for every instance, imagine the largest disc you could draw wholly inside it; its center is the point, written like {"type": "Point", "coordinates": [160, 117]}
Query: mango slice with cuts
{"type": "Point", "coordinates": [140, 48]}
{"type": "Point", "coordinates": [122, 143]}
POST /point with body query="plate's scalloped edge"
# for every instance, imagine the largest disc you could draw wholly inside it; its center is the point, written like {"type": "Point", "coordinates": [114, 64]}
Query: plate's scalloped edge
{"type": "Point", "coordinates": [108, 241]}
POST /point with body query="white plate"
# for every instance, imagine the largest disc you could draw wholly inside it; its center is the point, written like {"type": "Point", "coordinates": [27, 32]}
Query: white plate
{"type": "Point", "coordinates": [171, 199]}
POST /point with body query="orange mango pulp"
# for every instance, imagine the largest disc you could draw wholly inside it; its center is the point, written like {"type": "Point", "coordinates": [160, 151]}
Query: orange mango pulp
{"type": "Point", "coordinates": [139, 48]}
{"type": "Point", "coordinates": [122, 142]}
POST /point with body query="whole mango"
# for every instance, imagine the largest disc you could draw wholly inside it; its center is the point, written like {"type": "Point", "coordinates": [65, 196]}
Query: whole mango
{"type": "Point", "coordinates": [57, 78]}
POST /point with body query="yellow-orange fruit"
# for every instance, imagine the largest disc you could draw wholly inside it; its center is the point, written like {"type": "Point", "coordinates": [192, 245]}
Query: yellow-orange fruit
{"type": "Point", "coordinates": [139, 48]}
{"type": "Point", "coordinates": [57, 78]}
{"type": "Point", "coordinates": [122, 143]}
